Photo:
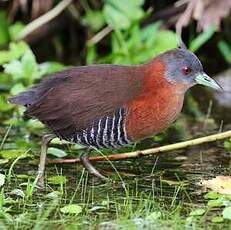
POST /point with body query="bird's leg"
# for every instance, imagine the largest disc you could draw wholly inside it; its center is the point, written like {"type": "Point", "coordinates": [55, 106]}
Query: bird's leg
{"type": "Point", "coordinates": [41, 168]}
{"type": "Point", "coordinates": [90, 168]}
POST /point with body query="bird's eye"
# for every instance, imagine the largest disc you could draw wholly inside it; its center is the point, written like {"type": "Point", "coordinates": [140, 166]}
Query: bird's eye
{"type": "Point", "coordinates": [186, 70]}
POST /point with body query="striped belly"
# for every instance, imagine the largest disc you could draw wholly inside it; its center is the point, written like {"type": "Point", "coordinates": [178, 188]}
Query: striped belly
{"type": "Point", "coordinates": [108, 132]}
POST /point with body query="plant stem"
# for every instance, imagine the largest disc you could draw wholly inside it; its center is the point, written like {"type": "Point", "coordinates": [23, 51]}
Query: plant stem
{"type": "Point", "coordinates": [152, 151]}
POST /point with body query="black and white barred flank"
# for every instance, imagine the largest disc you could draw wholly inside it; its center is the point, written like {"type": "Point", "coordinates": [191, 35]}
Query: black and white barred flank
{"type": "Point", "coordinates": [108, 132]}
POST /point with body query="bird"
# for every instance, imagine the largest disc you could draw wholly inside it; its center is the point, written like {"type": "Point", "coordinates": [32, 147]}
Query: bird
{"type": "Point", "coordinates": [109, 106]}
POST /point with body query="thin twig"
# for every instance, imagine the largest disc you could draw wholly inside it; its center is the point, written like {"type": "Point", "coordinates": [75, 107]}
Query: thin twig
{"type": "Point", "coordinates": [34, 25]}
{"type": "Point", "coordinates": [152, 151]}
{"type": "Point", "coordinates": [100, 35]}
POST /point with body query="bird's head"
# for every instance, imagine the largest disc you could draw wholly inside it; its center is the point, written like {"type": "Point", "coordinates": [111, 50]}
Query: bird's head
{"type": "Point", "coordinates": [182, 67]}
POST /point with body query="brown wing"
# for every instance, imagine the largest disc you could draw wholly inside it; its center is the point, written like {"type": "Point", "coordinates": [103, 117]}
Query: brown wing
{"type": "Point", "coordinates": [73, 99]}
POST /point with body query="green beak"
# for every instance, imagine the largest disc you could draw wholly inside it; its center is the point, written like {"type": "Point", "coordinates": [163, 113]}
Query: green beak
{"type": "Point", "coordinates": [204, 79]}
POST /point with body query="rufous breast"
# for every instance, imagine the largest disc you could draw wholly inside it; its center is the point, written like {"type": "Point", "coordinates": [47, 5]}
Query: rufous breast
{"type": "Point", "coordinates": [156, 108]}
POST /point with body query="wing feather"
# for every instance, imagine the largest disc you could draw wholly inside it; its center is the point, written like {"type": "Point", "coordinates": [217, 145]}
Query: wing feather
{"type": "Point", "coordinates": [74, 99]}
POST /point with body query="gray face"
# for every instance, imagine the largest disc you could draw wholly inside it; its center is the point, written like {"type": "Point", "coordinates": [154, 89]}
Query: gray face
{"type": "Point", "coordinates": [183, 67]}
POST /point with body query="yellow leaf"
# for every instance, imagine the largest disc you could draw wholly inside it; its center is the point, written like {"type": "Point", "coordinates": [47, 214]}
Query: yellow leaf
{"type": "Point", "coordinates": [220, 184]}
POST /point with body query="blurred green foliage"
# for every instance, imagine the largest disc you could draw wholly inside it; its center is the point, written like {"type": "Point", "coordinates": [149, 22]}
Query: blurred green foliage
{"type": "Point", "coordinates": [119, 17]}
{"type": "Point", "coordinates": [136, 45]}
{"type": "Point", "coordinates": [225, 50]}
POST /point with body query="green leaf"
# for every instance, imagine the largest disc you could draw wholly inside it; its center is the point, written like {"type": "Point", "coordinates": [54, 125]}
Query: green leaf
{"type": "Point", "coordinates": [34, 125]}
{"type": "Point", "coordinates": [15, 29]}
{"type": "Point", "coordinates": [197, 212]}
{"type": "Point", "coordinates": [227, 213]}
{"type": "Point", "coordinates": [56, 152]}
{"type": "Point", "coordinates": [225, 50]}
{"type": "Point", "coordinates": [17, 88]}
{"type": "Point", "coordinates": [71, 209]}
{"type": "Point", "coordinates": [217, 219]}
{"type": "Point", "coordinates": [165, 40]}
{"type": "Point", "coordinates": [50, 67]}
{"type": "Point", "coordinates": [2, 179]}
{"type": "Point", "coordinates": [13, 153]}
{"type": "Point", "coordinates": [16, 50]}
{"type": "Point", "coordinates": [212, 195]}
{"type": "Point", "coordinates": [4, 105]}
{"type": "Point", "coordinates": [227, 145]}
{"type": "Point", "coordinates": [215, 203]}
{"type": "Point", "coordinates": [29, 66]}
{"type": "Point", "coordinates": [57, 180]}
{"type": "Point", "coordinates": [4, 35]}
{"type": "Point", "coordinates": [120, 17]}
{"type": "Point", "coordinates": [91, 54]}
{"type": "Point", "coordinates": [25, 69]}
{"type": "Point", "coordinates": [201, 39]}
{"type": "Point", "coordinates": [149, 33]}
{"type": "Point", "coordinates": [14, 68]}
{"type": "Point", "coordinates": [94, 19]}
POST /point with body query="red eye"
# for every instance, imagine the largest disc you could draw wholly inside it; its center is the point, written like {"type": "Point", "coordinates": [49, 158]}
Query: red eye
{"type": "Point", "coordinates": [186, 70]}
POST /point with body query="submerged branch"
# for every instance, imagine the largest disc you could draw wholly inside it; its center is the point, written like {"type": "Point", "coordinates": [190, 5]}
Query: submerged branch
{"type": "Point", "coordinates": [152, 151]}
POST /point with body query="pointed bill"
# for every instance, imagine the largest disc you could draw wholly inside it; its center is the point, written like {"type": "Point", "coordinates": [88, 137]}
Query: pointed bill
{"type": "Point", "coordinates": [204, 79]}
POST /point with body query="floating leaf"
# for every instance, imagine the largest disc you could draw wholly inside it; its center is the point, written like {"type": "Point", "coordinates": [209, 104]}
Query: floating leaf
{"type": "Point", "coordinates": [197, 212]}
{"type": "Point", "coordinates": [56, 152]}
{"type": "Point", "coordinates": [216, 203]}
{"type": "Point", "coordinates": [2, 179]}
{"type": "Point", "coordinates": [227, 213]}
{"type": "Point", "coordinates": [71, 209]}
{"type": "Point", "coordinates": [217, 219]}
{"type": "Point", "coordinates": [13, 153]}
{"type": "Point", "coordinates": [212, 195]}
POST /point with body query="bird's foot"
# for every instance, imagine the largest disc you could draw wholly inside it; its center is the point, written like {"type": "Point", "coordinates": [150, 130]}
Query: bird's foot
{"type": "Point", "coordinates": [90, 168]}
